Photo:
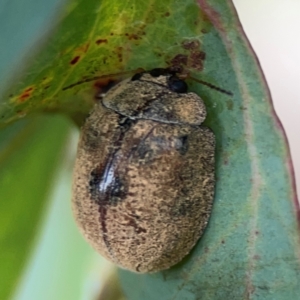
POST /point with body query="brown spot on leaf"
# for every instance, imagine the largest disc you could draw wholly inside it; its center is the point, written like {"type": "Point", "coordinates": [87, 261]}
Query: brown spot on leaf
{"type": "Point", "coordinates": [193, 60]}
{"type": "Point", "coordinates": [25, 94]}
{"type": "Point", "coordinates": [196, 60]}
{"type": "Point", "coordinates": [191, 44]}
{"type": "Point", "coordinates": [28, 90]}
{"type": "Point", "coordinates": [138, 33]}
{"type": "Point", "coordinates": [179, 60]}
{"type": "Point", "coordinates": [119, 52]}
{"type": "Point", "coordinates": [132, 36]}
{"type": "Point", "coordinates": [101, 41]}
{"type": "Point", "coordinates": [75, 60]}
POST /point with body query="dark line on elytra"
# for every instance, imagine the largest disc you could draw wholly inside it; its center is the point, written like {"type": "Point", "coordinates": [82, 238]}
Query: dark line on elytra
{"type": "Point", "coordinates": [132, 219]}
{"type": "Point", "coordinates": [103, 199]}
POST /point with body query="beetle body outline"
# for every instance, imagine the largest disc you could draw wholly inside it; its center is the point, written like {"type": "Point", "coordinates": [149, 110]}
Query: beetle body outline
{"type": "Point", "coordinates": [143, 182]}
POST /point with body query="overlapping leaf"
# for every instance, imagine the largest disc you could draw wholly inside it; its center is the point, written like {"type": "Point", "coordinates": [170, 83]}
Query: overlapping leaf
{"type": "Point", "coordinates": [30, 152]}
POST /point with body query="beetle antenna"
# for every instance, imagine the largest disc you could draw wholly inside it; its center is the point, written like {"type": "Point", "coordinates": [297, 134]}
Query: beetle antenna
{"type": "Point", "coordinates": [101, 77]}
{"type": "Point", "coordinates": [212, 86]}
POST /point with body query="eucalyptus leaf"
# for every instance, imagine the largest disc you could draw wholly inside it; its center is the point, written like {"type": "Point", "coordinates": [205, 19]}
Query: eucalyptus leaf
{"type": "Point", "coordinates": [30, 153]}
{"type": "Point", "coordinates": [250, 249]}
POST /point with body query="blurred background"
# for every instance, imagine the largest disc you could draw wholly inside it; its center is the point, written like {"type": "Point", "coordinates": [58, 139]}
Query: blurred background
{"type": "Point", "coordinates": [272, 27]}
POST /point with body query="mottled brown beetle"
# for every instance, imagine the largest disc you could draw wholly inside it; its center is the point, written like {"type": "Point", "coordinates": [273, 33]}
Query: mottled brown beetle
{"type": "Point", "coordinates": [143, 182]}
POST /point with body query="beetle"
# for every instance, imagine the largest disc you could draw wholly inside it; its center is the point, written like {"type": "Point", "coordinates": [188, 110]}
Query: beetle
{"type": "Point", "coordinates": [143, 182]}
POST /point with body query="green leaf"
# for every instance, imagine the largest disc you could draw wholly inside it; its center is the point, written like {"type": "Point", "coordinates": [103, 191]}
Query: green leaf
{"type": "Point", "coordinates": [250, 249]}
{"type": "Point", "coordinates": [30, 152]}
{"type": "Point", "coordinates": [113, 36]}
